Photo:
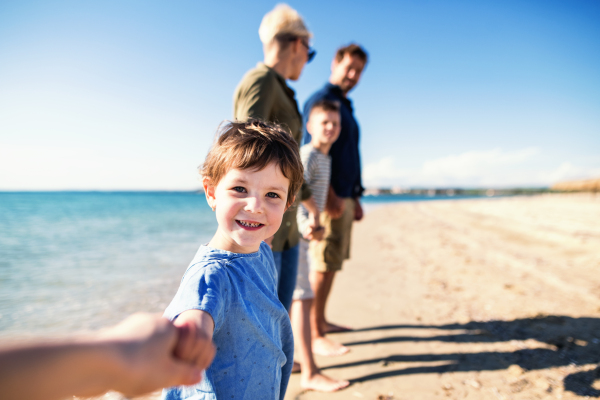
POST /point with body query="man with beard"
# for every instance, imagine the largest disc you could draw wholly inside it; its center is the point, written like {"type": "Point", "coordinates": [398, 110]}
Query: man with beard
{"type": "Point", "coordinates": [343, 205]}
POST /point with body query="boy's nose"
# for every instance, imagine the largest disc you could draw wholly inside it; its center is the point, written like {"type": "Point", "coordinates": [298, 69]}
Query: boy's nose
{"type": "Point", "coordinates": [253, 205]}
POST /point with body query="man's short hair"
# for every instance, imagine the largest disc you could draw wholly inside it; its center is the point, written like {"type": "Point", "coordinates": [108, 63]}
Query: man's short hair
{"type": "Point", "coordinates": [283, 24]}
{"type": "Point", "coordinates": [325, 105]}
{"type": "Point", "coordinates": [353, 50]}
{"type": "Point", "coordinates": [254, 144]}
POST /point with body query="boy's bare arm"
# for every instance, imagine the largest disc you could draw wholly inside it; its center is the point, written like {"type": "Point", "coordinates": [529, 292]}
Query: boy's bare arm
{"type": "Point", "coordinates": [195, 337]}
{"type": "Point", "coordinates": [311, 207]}
{"type": "Point", "coordinates": [314, 230]}
{"type": "Point", "coordinates": [334, 205]}
{"type": "Point", "coordinates": [134, 357]}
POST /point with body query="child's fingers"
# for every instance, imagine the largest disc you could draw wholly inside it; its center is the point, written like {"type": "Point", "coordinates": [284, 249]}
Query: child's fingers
{"type": "Point", "coordinates": [185, 342]}
{"type": "Point", "coordinates": [205, 357]}
{"type": "Point", "coordinates": [202, 353]}
{"type": "Point", "coordinates": [193, 347]}
{"type": "Point", "coordinates": [183, 373]}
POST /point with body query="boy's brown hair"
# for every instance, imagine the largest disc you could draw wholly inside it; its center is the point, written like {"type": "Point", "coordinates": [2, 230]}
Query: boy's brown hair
{"type": "Point", "coordinates": [325, 105]}
{"type": "Point", "coordinates": [253, 145]}
{"type": "Point", "coordinates": [353, 50]}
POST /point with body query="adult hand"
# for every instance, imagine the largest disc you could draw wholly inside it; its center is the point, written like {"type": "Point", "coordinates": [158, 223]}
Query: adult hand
{"type": "Point", "coordinates": [146, 346]}
{"type": "Point", "coordinates": [134, 357]}
{"type": "Point", "coordinates": [358, 210]}
{"type": "Point", "coordinates": [334, 205]}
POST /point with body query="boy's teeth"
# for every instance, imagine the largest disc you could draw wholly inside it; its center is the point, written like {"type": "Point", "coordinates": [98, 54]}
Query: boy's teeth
{"type": "Point", "coordinates": [250, 225]}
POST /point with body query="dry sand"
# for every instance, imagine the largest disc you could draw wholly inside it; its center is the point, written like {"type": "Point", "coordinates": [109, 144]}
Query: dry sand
{"type": "Point", "coordinates": [470, 299]}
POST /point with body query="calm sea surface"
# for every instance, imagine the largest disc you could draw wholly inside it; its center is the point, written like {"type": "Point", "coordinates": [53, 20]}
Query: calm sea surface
{"type": "Point", "coordinates": [73, 261]}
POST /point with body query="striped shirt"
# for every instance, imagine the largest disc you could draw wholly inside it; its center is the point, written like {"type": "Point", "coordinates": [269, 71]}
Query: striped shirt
{"type": "Point", "coordinates": [317, 172]}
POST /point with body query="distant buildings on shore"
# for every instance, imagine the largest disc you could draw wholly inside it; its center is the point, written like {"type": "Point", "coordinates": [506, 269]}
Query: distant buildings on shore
{"type": "Point", "coordinates": [588, 185]}
{"type": "Point", "coordinates": [452, 191]}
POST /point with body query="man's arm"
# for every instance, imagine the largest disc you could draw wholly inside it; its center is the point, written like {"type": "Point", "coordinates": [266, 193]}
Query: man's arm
{"type": "Point", "coordinates": [134, 357]}
{"type": "Point", "coordinates": [334, 205]}
{"type": "Point", "coordinates": [358, 210]}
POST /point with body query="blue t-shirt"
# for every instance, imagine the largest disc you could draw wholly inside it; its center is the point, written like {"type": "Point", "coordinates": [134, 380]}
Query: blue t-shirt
{"type": "Point", "coordinates": [253, 335]}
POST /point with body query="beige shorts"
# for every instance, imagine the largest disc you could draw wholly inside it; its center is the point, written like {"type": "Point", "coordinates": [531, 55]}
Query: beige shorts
{"type": "Point", "coordinates": [328, 254]}
{"type": "Point", "coordinates": [303, 290]}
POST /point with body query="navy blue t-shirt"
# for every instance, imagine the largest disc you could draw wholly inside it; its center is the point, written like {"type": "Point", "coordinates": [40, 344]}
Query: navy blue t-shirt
{"type": "Point", "coordinates": [345, 157]}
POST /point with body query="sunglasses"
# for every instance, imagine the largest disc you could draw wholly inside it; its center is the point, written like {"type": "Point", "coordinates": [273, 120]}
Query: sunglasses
{"type": "Point", "coordinates": [311, 52]}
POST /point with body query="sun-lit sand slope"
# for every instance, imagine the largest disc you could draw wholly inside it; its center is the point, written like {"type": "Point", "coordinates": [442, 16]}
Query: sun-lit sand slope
{"type": "Point", "coordinates": [589, 185]}
{"type": "Point", "coordinates": [476, 299]}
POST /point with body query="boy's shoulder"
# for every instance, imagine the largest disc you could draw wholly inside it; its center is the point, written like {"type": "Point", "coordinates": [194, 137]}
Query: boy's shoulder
{"type": "Point", "coordinates": [306, 149]}
{"type": "Point", "coordinates": [309, 154]}
{"type": "Point", "coordinates": [309, 150]}
{"type": "Point", "coordinates": [211, 260]}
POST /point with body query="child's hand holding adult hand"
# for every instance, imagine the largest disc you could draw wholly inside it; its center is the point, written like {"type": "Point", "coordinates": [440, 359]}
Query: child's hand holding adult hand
{"type": "Point", "coordinates": [194, 344]}
{"type": "Point", "coordinates": [314, 233]}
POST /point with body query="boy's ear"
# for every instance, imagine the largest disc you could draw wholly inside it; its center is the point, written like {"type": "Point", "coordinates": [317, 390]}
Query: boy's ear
{"type": "Point", "coordinates": [288, 205]}
{"type": "Point", "coordinates": [209, 192]}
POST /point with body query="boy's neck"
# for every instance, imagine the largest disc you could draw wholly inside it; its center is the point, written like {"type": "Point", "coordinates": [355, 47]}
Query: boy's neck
{"type": "Point", "coordinates": [322, 147]}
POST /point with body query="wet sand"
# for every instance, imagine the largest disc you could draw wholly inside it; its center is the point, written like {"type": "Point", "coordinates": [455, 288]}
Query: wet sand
{"type": "Point", "coordinates": [471, 299]}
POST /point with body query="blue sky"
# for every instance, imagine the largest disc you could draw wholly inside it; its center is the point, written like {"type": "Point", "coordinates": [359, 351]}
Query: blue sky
{"type": "Point", "coordinates": [127, 95]}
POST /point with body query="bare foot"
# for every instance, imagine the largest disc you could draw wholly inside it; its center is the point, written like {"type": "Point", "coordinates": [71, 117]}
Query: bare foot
{"type": "Point", "coordinates": [296, 367]}
{"type": "Point", "coordinates": [322, 383]}
{"type": "Point", "coordinates": [333, 328]}
{"type": "Point", "coordinates": [325, 347]}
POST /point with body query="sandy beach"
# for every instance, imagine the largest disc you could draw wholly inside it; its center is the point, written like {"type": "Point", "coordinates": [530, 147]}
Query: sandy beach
{"type": "Point", "coordinates": [471, 299]}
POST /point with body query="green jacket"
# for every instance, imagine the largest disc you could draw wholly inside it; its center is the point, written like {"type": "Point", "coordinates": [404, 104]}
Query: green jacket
{"type": "Point", "coordinates": [263, 93]}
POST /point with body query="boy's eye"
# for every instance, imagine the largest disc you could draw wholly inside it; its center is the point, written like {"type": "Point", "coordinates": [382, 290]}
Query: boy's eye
{"type": "Point", "coordinates": [239, 189]}
{"type": "Point", "coordinates": [273, 195]}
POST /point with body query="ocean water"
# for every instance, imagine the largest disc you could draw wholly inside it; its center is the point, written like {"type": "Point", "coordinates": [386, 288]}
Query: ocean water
{"type": "Point", "coordinates": [77, 261]}
{"type": "Point", "coordinates": [72, 261]}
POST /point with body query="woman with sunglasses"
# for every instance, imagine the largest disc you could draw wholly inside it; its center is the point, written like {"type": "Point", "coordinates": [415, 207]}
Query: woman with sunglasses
{"type": "Point", "coordinates": [264, 94]}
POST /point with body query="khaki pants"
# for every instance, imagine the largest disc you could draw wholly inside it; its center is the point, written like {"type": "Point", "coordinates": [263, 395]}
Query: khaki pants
{"type": "Point", "coordinates": [328, 254]}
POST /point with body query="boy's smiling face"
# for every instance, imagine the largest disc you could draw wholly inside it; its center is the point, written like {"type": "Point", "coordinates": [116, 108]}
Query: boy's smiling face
{"type": "Point", "coordinates": [249, 205]}
{"type": "Point", "coordinates": [324, 127]}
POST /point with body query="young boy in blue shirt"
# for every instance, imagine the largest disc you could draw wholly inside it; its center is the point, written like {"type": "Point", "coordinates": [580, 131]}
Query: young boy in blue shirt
{"type": "Point", "coordinates": [228, 295]}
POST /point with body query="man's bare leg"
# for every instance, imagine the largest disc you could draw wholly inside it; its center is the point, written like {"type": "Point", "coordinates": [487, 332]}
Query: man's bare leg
{"type": "Point", "coordinates": [321, 283]}
{"type": "Point", "coordinates": [311, 377]}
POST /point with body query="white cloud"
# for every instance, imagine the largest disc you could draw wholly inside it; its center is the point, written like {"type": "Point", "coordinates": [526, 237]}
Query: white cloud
{"type": "Point", "coordinates": [568, 171]}
{"type": "Point", "coordinates": [491, 168]}
{"type": "Point", "coordinates": [473, 165]}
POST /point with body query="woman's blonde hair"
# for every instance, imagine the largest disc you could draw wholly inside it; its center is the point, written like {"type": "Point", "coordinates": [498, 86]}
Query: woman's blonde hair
{"type": "Point", "coordinates": [283, 22]}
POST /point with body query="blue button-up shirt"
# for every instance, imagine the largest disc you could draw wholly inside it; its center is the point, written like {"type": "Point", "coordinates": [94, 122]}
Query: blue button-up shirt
{"type": "Point", "coordinates": [253, 334]}
{"type": "Point", "coordinates": [345, 157]}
